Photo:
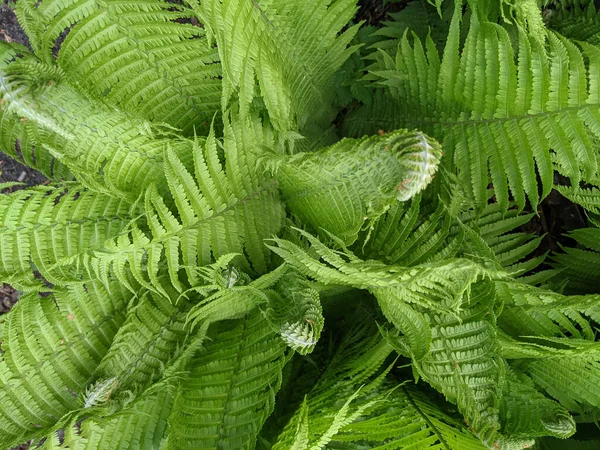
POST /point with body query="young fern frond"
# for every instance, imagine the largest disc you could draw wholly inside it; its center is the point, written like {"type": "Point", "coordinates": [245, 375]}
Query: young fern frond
{"type": "Point", "coordinates": [436, 286]}
{"type": "Point", "coordinates": [415, 233]}
{"type": "Point", "coordinates": [340, 187]}
{"type": "Point", "coordinates": [19, 137]}
{"type": "Point", "coordinates": [295, 312]}
{"type": "Point", "coordinates": [135, 55]}
{"type": "Point", "coordinates": [527, 414]}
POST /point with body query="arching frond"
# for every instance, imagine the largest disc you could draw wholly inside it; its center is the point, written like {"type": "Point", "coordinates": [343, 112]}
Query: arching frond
{"type": "Point", "coordinates": [498, 108]}
{"type": "Point", "coordinates": [136, 55]}
{"type": "Point", "coordinates": [51, 347]}
{"type": "Point", "coordinates": [293, 49]}
{"type": "Point", "coordinates": [45, 229]}
{"type": "Point", "coordinates": [105, 149]}
{"type": "Point", "coordinates": [231, 388]}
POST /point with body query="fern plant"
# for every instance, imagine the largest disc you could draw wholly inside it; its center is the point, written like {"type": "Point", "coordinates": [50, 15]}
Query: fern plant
{"type": "Point", "coordinates": [268, 226]}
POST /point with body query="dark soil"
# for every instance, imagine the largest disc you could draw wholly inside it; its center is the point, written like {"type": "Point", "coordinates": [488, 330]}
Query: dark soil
{"type": "Point", "coordinates": [10, 31]}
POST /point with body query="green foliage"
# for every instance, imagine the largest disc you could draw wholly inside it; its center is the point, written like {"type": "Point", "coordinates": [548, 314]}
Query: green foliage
{"type": "Point", "coordinates": [268, 226]}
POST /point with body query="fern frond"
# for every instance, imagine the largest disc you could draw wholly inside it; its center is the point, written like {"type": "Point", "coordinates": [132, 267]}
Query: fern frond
{"type": "Point", "coordinates": [134, 55]}
{"type": "Point", "coordinates": [571, 380]}
{"type": "Point", "coordinates": [437, 286]}
{"type": "Point", "coordinates": [149, 340]}
{"type": "Point", "coordinates": [556, 347]}
{"type": "Point", "coordinates": [105, 149]}
{"type": "Point", "coordinates": [579, 21]}
{"type": "Point", "coordinates": [45, 229]}
{"type": "Point", "coordinates": [498, 229]}
{"type": "Point", "coordinates": [531, 311]}
{"type": "Point", "coordinates": [51, 347]}
{"type": "Point", "coordinates": [295, 311]}
{"type": "Point", "coordinates": [579, 267]}
{"type": "Point", "coordinates": [410, 233]}
{"type": "Point", "coordinates": [232, 301]}
{"type": "Point", "coordinates": [423, 231]}
{"type": "Point", "coordinates": [340, 187]}
{"type": "Point", "coordinates": [291, 48]}
{"type": "Point", "coordinates": [18, 138]}
{"type": "Point", "coordinates": [406, 419]}
{"type": "Point", "coordinates": [588, 196]}
{"type": "Point", "coordinates": [496, 107]}
{"type": "Point", "coordinates": [231, 388]}
{"type": "Point", "coordinates": [464, 363]}
{"type": "Point", "coordinates": [221, 209]}
{"type": "Point", "coordinates": [528, 414]}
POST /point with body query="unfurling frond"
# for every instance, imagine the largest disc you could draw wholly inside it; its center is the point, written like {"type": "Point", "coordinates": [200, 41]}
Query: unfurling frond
{"type": "Point", "coordinates": [231, 388]}
{"type": "Point", "coordinates": [295, 312]}
{"type": "Point", "coordinates": [341, 187]}
{"type": "Point", "coordinates": [527, 413]}
{"type": "Point", "coordinates": [100, 392]}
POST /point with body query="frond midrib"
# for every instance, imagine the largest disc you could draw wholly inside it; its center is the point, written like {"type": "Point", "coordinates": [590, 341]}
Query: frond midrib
{"type": "Point", "coordinates": [183, 229]}
{"type": "Point", "coordinates": [450, 123]}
